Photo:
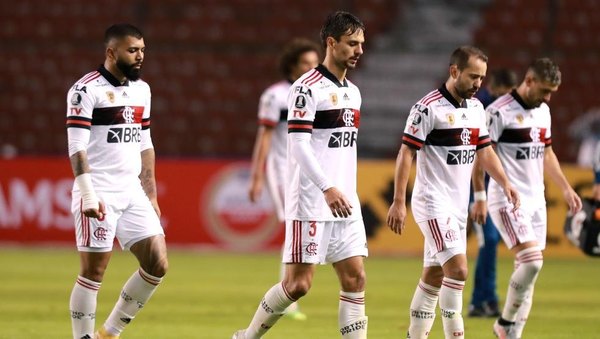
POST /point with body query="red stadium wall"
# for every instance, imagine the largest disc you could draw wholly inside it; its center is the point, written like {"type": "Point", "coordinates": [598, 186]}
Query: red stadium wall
{"type": "Point", "coordinates": [202, 203]}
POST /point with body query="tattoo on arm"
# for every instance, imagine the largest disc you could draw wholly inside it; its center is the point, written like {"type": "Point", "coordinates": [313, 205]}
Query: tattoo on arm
{"type": "Point", "coordinates": [147, 174]}
{"type": "Point", "coordinates": [79, 163]}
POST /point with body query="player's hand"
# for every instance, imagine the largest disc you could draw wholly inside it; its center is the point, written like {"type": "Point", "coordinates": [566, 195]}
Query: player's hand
{"type": "Point", "coordinates": [396, 216]}
{"type": "Point", "coordinates": [513, 197]}
{"type": "Point", "coordinates": [97, 213]}
{"type": "Point", "coordinates": [337, 202]}
{"type": "Point", "coordinates": [478, 212]}
{"type": "Point", "coordinates": [573, 200]}
{"type": "Point", "coordinates": [255, 191]}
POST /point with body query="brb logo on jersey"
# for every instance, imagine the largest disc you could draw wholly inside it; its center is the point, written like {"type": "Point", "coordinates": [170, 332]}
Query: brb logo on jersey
{"type": "Point", "coordinates": [342, 139]}
{"type": "Point", "coordinates": [124, 135]}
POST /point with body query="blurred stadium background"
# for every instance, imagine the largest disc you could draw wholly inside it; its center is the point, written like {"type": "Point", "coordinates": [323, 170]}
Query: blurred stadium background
{"type": "Point", "coordinates": [207, 62]}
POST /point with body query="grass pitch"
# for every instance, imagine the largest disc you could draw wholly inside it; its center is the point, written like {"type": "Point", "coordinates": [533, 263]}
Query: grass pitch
{"type": "Point", "coordinates": [210, 295]}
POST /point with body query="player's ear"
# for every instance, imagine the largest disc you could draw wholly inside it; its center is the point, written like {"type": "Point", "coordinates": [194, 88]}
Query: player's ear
{"type": "Point", "coordinates": [454, 71]}
{"type": "Point", "coordinates": [331, 41]}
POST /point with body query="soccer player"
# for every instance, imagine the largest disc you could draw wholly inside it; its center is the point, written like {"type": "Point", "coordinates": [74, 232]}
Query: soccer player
{"type": "Point", "coordinates": [322, 210]}
{"type": "Point", "coordinates": [298, 57]}
{"type": "Point", "coordinates": [519, 125]}
{"type": "Point", "coordinates": [114, 194]}
{"type": "Point", "coordinates": [484, 300]}
{"type": "Point", "coordinates": [447, 128]}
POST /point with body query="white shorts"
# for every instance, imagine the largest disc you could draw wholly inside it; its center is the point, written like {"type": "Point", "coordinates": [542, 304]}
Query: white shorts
{"type": "Point", "coordinates": [445, 237]}
{"type": "Point", "coordinates": [322, 242]}
{"type": "Point", "coordinates": [129, 217]}
{"type": "Point", "coordinates": [523, 225]}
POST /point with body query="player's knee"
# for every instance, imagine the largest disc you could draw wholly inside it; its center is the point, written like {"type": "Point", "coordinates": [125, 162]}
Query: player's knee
{"type": "Point", "coordinates": [354, 281]}
{"type": "Point", "coordinates": [458, 272]}
{"type": "Point", "coordinates": [94, 273]}
{"type": "Point", "coordinates": [533, 267]}
{"type": "Point", "coordinates": [157, 267]}
{"type": "Point", "coordinates": [298, 288]}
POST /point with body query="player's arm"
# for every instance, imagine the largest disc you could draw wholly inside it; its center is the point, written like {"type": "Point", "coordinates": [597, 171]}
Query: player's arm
{"type": "Point", "coordinates": [397, 212]}
{"type": "Point", "coordinates": [479, 209]}
{"type": "Point", "coordinates": [148, 178]}
{"type": "Point", "coordinates": [79, 122]}
{"type": "Point", "coordinates": [552, 167]}
{"type": "Point", "coordinates": [490, 162]}
{"type": "Point", "coordinates": [262, 145]}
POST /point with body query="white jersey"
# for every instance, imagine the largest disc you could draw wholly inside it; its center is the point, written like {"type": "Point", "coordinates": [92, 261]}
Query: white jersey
{"type": "Point", "coordinates": [272, 112]}
{"type": "Point", "coordinates": [329, 111]}
{"type": "Point", "coordinates": [115, 115]}
{"type": "Point", "coordinates": [446, 136]}
{"type": "Point", "coordinates": [521, 135]}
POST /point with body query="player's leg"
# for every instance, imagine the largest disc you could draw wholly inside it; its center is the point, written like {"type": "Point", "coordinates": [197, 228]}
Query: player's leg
{"type": "Point", "coordinates": [304, 247]}
{"type": "Point", "coordinates": [351, 312]}
{"type": "Point", "coordinates": [346, 249]}
{"type": "Point", "coordinates": [425, 299]}
{"type": "Point", "coordinates": [297, 283]}
{"type": "Point", "coordinates": [94, 240]}
{"type": "Point", "coordinates": [517, 232]}
{"type": "Point", "coordinates": [451, 293]}
{"type": "Point", "coordinates": [139, 231]}
{"type": "Point", "coordinates": [84, 294]}
{"type": "Point", "coordinates": [479, 294]}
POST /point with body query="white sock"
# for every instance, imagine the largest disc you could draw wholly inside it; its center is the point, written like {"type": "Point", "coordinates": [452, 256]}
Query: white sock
{"type": "Point", "coordinates": [422, 310]}
{"type": "Point", "coordinates": [351, 310]}
{"type": "Point", "coordinates": [530, 263]}
{"type": "Point", "coordinates": [451, 305]}
{"type": "Point", "coordinates": [523, 313]}
{"type": "Point", "coordinates": [136, 292]}
{"type": "Point", "coordinates": [83, 307]}
{"type": "Point", "coordinates": [270, 309]}
{"type": "Point", "coordinates": [294, 306]}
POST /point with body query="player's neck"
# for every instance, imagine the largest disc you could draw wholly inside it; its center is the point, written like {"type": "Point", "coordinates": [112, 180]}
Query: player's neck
{"type": "Point", "coordinates": [450, 87]}
{"type": "Point", "coordinates": [114, 70]}
{"type": "Point", "coordinates": [335, 69]}
{"type": "Point", "coordinates": [522, 92]}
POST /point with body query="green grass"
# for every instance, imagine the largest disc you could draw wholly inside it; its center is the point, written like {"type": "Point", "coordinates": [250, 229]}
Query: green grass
{"type": "Point", "coordinates": [209, 295]}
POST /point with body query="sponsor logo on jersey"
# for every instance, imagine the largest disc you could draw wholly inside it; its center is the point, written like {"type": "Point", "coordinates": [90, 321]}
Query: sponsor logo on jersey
{"type": "Point", "coordinates": [464, 116]}
{"type": "Point", "coordinates": [76, 99]}
{"type": "Point", "coordinates": [303, 90]}
{"type": "Point", "coordinates": [75, 110]}
{"type": "Point", "coordinates": [533, 152]}
{"type": "Point", "coordinates": [79, 88]}
{"type": "Point", "coordinates": [342, 139]}
{"type": "Point", "coordinates": [346, 97]}
{"type": "Point", "coordinates": [334, 99]}
{"type": "Point", "coordinates": [124, 135]}
{"type": "Point", "coordinates": [460, 157]}
{"type": "Point", "coordinates": [124, 95]}
{"type": "Point", "coordinates": [421, 109]}
{"type": "Point", "coordinates": [450, 118]}
{"type": "Point", "coordinates": [416, 119]}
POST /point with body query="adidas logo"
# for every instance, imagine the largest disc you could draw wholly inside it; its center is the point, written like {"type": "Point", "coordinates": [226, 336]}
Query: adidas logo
{"type": "Point", "coordinates": [346, 97]}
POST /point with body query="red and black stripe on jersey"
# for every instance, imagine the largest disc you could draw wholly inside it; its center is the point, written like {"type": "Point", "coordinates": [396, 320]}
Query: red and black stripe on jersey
{"type": "Point", "coordinates": [79, 122]}
{"type": "Point", "coordinates": [114, 115]}
{"type": "Point", "coordinates": [270, 123]}
{"type": "Point", "coordinates": [454, 137]}
{"type": "Point", "coordinates": [333, 118]}
{"type": "Point", "coordinates": [448, 137]}
{"type": "Point", "coordinates": [523, 135]}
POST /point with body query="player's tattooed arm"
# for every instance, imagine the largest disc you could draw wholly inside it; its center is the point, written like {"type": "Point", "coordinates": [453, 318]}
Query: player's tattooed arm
{"type": "Point", "coordinates": [79, 163]}
{"type": "Point", "coordinates": [147, 174]}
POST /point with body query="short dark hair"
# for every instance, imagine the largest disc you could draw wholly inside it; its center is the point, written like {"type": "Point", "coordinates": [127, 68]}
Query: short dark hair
{"type": "Point", "coordinates": [545, 70]}
{"type": "Point", "coordinates": [503, 77]}
{"type": "Point", "coordinates": [291, 54]}
{"type": "Point", "coordinates": [460, 56]}
{"type": "Point", "coordinates": [340, 23]}
{"type": "Point", "coordinates": [119, 31]}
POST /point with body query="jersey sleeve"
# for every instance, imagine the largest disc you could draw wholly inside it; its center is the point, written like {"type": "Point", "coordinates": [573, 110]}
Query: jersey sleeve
{"type": "Point", "coordinates": [80, 106]}
{"type": "Point", "coordinates": [484, 134]}
{"type": "Point", "coordinates": [548, 135]}
{"type": "Point", "coordinates": [418, 126]}
{"type": "Point", "coordinates": [302, 107]}
{"type": "Point", "coordinates": [268, 110]}
{"type": "Point", "coordinates": [146, 139]}
{"type": "Point", "coordinates": [495, 123]}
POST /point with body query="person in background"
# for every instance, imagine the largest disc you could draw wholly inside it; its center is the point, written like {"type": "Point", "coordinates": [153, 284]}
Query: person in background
{"type": "Point", "coordinates": [484, 300]}
{"type": "Point", "coordinates": [269, 155]}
